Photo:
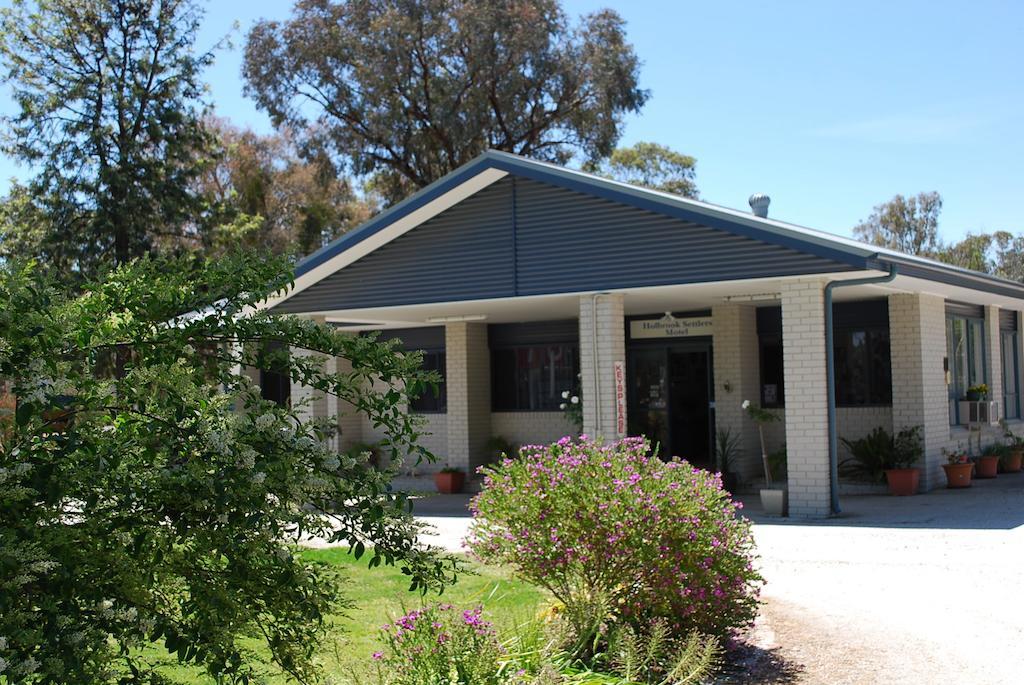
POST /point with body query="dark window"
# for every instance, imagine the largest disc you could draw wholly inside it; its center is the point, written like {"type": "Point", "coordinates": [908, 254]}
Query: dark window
{"type": "Point", "coordinates": [532, 377]}
{"type": "Point", "coordinates": [275, 386]}
{"type": "Point", "coordinates": [862, 354]}
{"type": "Point", "coordinates": [772, 375]}
{"type": "Point", "coordinates": [431, 402]}
{"type": "Point", "coordinates": [863, 368]}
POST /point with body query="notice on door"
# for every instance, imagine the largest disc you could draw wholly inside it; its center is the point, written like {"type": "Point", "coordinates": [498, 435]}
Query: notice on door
{"type": "Point", "coordinates": [676, 328]}
{"type": "Point", "coordinates": [620, 398]}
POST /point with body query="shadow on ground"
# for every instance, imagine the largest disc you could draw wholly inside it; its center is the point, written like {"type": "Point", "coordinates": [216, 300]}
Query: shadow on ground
{"type": "Point", "coordinates": [441, 506]}
{"type": "Point", "coordinates": [989, 504]}
{"type": "Point", "coordinates": [750, 664]}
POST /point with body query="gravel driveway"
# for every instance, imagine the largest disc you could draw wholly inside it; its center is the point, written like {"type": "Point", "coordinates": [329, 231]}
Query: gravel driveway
{"type": "Point", "coordinates": [926, 589]}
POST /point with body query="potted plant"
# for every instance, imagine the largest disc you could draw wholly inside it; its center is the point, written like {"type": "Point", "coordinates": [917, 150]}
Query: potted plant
{"type": "Point", "coordinates": [987, 463]}
{"type": "Point", "coordinates": [958, 468]}
{"type": "Point", "coordinates": [977, 393]}
{"type": "Point", "coordinates": [879, 456]}
{"type": "Point", "coordinates": [726, 447]}
{"type": "Point", "coordinates": [1012, 459]}
{"type": "Point", "coordinates": [774, 498]}
{"type": "Point", "coordinates": [450, 480]}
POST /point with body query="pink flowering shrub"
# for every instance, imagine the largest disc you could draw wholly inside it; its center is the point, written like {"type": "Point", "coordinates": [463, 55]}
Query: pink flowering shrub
{"type": "Point", "coordinates": [440, 644]}
{"type": "Point", "coordinates": [648, 538]}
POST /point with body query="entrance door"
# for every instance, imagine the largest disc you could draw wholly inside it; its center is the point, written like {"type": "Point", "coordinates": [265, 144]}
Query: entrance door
{"type": "Point", "coordinates": [670, 399]}
{"type": "Point", "coordinates": [689, 396]}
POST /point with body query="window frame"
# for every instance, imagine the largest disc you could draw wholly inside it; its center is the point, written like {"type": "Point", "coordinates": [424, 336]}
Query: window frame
{"type": "Point", "coordinates": [874, 367]}
{"type": "Point", "coordinates": [955, 392]}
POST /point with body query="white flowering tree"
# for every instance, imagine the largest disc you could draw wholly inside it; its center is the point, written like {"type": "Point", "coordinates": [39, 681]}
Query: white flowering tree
{"type": "Point", "coordinates": [150, 496]}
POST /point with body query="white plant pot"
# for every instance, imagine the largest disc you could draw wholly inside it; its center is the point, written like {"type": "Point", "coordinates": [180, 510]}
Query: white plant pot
{"type": "Point", "coordinates": [775, 501]}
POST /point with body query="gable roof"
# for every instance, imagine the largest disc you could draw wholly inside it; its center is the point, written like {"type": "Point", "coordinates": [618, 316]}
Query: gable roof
{"type": "Point", "coordinates": [493, 165]}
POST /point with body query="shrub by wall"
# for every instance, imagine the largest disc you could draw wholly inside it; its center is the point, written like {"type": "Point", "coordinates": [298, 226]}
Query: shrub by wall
{"type": "Point", "coordinates": [651, 539]}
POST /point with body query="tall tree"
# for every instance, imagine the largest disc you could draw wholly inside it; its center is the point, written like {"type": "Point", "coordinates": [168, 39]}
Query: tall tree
{"type": "Point", "coordinates": [287, 183]}
{"type": "Point", "coordinates": [411, 89]}
{"type": "Point", "coordinates": [907, 224]}
{"type": "Point", "coordinates": [973, 252]}
{"type": "Point", "coordinates": [1009, 255]}
{"type": "Point", "coordinates": [653, 166]}
{"type": "Point", "coordinates": [109, 114]}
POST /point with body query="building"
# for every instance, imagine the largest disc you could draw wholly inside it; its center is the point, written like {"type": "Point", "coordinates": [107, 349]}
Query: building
{"type": "Point", "coordinates": [520, 279]}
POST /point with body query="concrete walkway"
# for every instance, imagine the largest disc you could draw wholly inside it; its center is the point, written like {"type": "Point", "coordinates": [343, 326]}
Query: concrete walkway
{"type": "Point", "coordinates": [924, 589]}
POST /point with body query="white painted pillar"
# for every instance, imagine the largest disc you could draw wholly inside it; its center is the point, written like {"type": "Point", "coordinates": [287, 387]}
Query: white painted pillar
{"type": "Point", "coordinates": [602, 348]}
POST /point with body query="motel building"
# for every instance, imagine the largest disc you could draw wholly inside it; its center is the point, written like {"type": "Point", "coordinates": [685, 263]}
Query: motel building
{"type": "Point", "coordinates": [519, 280]}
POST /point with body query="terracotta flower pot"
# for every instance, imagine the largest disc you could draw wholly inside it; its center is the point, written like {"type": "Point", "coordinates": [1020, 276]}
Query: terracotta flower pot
{"type": "Point", "coordinates": [958, 475]}
{"type": "Point", "coordinates": [449, 482]}
{"type": "Point", "coordinates": [903, 482]}
{"type": "Point", "coordinates": [1012, 461]}
{"type": "Point", "coordinates": [987, 467]}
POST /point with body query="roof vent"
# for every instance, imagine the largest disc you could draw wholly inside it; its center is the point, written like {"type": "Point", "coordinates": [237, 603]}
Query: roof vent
{"type": "Point", "coordinates": [759, 204]}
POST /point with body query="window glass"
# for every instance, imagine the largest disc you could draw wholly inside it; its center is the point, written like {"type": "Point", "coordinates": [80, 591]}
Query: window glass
{"type": "Point", "coordinates": [863, 369]}
{"type": "Point", "coordinates": [965, 353]}
{"type": "Point", "coordinates": [431, 401]}
{"type": "Point", "coordinates": [532, 377]}
{"type": "Point", "coordinates": [862, 363]}
{"type": "Point", "coordinates": [772, 371]}
{"type": "Point", "coordinates": [275, 386]}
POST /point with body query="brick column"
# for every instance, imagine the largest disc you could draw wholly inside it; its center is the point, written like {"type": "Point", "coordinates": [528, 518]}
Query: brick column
{"type": "Point", "coordinates": [993, 356]}
{"type": "Point", "coordinates": [917, 341]}
{"type": "Point", "coordinates": [602, 343]}
{"type": "Point", "coordinates": [311, 404]}
{"type": "Point", "coordinates": [803, 340]}
{"type": "Point", "coordinates": [350, 424]}
{"type": "Point", "coordinates": [737, 378]}
{"type": "Point", "coordinates": [468, 383]}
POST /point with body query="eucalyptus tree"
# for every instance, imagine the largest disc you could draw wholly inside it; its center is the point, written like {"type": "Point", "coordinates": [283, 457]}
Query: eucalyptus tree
{"type": "Point", "coordinates": [408, 90]}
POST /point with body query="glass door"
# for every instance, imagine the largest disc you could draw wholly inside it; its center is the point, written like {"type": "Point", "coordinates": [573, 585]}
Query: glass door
{"type": "Point", "coordinates": [670, 395]}
{"type": "Point", "coordinates": [648, 396]}
{"type": "Point", "coordinates": [690, 400]}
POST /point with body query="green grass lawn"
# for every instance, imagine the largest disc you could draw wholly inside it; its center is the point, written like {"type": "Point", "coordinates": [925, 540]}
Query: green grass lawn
{"type": "Point", "coordinates": [377, 596]}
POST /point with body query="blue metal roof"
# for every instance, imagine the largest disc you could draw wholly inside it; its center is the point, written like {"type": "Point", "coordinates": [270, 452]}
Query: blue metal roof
{"type": "Point", "coordinates": [821, 244]}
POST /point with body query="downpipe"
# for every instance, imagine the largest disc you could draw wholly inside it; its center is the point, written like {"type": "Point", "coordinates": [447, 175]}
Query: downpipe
{"type": "Point", "coordinates": [830, 374]}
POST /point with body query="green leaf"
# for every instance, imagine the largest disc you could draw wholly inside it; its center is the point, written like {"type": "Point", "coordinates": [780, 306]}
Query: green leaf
{"type": "Point", "coordinates": [23, 414]}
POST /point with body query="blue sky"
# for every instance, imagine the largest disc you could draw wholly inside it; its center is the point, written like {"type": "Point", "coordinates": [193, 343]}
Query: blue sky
{"type": "Point", "coordinates": [829, 107]}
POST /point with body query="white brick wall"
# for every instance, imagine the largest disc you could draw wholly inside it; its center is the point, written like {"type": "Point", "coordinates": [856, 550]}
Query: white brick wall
{"type": "Point", "coordinates": [610, 342]}
{"type": "Point", "coordinates": [994, 359]}
{"type": "Point", "coordinates": [917, 334]}
{"type": "Point", "coordinates": [468, 369]}
{"type": "Point", "coordinates": [531, 428]}
{"type": "Point", "coordinates": [434, 438]}
{"type": "Point", "coordinates": [737, 378]}
{"type": "Point", "coordinates": [803, 334]}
